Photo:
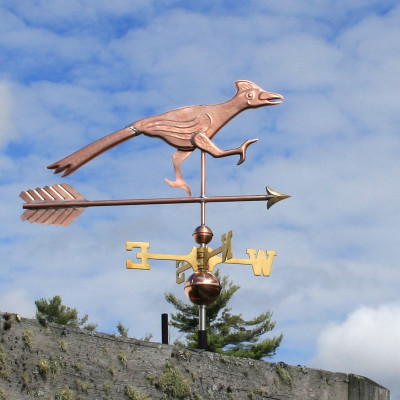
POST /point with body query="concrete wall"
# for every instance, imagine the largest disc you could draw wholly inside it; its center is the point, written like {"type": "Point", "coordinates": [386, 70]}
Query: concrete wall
{"type": "Point", "coordinates": [60, 363]}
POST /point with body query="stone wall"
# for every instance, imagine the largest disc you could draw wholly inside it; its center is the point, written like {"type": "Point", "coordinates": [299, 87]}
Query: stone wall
{"type": "Point", "coordinates": [60, 363]}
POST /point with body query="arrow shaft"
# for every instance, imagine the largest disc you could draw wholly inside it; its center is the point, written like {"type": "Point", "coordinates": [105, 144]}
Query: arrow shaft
{"type": "Point", "coordinates": [132, 202]}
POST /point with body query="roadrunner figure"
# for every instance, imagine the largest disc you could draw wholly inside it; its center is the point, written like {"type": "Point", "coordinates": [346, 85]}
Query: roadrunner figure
{"type": "Point", "coordinates": [184, 128]}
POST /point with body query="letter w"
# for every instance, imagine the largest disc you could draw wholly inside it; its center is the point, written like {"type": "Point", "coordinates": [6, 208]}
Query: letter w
{"type": "Point", "coordinates": [262, 262]}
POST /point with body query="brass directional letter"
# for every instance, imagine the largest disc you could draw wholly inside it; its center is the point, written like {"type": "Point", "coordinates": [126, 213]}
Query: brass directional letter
{"type": "Point", "coordinates": [141, 255]}
{"type": "Point", "coordinates": [144, 255]}
{"type": "Point", "coordinates": [262, 262]}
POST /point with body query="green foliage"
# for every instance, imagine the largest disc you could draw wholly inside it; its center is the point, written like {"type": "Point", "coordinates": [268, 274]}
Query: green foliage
{"type": "Point", "coordinates": [122, 358]}
{"type": "Point", "coordinates": [123, 331]}
{"type": "Point", "coordinates": [26, 380]}
{"type": "Point", "coordinates": [147, 337]}
{"type": "Point", "coordinates": [150, 379]}
{"type": "Point", "coordinates": [52, 310]}
{"type": "Point", "coordinates": [63, 345]}
{"type": "Point", "coordinates": [64, 394]}
{"type": "Point", "coordinates": [134, 394]}
{"type": "Point", "coordinates": [77, 366]}
{"type": "Point", "coordinates": [8, 321]}
{"type": "Point", "coordinates": [227, 333]}
{"type": "Point", "coordinates": [172, 382]}
{"type": "Point", "coordinates": [107, 386]}
{"type": "Point", "coordinates": [3, 394]}
{"type": "Point", "coordinates": [3, 363]}
{"type": "Point", "coordinates": [90, 327]}
{"type": "Point", "coordinates": [43, 368]}
{"type": "Point", "coordinates": [81, 385]}
{"type": "Point", "coordinates": [27, 338]}
{"type": "Point", "coordinates": [284, 374]}
{"type": "Point", "coordinates": [50, 367]}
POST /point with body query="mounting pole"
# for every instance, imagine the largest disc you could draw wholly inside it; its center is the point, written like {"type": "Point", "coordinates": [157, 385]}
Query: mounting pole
{"type": "Point", "coordinates": [202, 334]}
{"type": "Point", "coordinates": [203, 187]}
{"type": "Point", "coordinates": [164, 329]}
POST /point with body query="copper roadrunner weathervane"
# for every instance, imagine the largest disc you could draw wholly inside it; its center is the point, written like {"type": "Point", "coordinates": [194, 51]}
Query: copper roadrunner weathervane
{"type": "Point", "coordinates": [185, 129]}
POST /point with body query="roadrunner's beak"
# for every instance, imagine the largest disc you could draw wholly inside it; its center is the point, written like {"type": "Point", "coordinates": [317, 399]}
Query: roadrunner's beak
{"type": "Point", "coordinates": [270, 99]}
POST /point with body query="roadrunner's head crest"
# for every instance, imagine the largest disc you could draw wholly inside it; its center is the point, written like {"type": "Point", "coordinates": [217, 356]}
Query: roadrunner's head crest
{"type": "Point", "coordinates": [244, 85]}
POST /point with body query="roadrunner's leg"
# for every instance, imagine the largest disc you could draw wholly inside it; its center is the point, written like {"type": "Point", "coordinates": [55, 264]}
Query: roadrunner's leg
{"type": "Point", "coordinates": [201, 141]}
{"type": "Point", "coordinates": [177, 160]}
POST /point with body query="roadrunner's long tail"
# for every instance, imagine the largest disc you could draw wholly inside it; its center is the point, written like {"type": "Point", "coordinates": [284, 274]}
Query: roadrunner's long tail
{"type": "Point", "coordinates": [75, 160]}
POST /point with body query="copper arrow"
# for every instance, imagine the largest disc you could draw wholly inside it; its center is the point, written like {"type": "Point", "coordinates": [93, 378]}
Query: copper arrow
{"type": "Point", "coordinates": [61, 204]}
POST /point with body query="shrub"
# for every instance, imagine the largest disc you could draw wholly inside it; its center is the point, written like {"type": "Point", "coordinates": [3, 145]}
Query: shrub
{"type": "Point", "coordinates": [134, 394]}
{"type": "Point", "coordinates": [122, 358]}
{"type": "Point", "coordinates": [3, 363]}
{"type": "Point", "coordinates": [81, 385]}
{"type": "Point", "coordinates": [63, 345]}
{"type": "Point", "coordinates": [43, 368]}
{"type": "Point", "coordinates": [173, 383]}
{"type": "Point", "coordinates": [64, 394]}
{"type": "Point", "coordinates": [27, 338]}
{"type": "Point", "coordinates": [107, 386]}
{"type": "Point", "coordinates": [3, 394]}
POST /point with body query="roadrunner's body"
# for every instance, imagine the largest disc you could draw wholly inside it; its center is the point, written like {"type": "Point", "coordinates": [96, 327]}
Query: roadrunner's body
{"type": "Point", "coordinates": [184, 128]}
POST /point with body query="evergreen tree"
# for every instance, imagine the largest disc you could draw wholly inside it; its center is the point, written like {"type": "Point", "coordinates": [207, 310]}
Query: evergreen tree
{"type": "Point", "coordinates": [227, 333]}
{"type": "Point", "coordinates": [53, 310]}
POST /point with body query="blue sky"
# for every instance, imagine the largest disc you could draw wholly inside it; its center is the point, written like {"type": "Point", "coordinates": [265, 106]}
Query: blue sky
{"type": "Point", "coordinates": [72, 73]}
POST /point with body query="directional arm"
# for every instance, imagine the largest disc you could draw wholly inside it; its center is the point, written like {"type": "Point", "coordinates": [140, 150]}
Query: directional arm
{"type": "Point", "coordinates": [203, 258]}
{"type": "Point", "coordinates": [144, 256]}
{"type": "Point", "coordinates": [260, 260]}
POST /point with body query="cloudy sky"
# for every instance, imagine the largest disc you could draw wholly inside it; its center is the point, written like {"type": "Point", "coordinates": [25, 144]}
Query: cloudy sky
{"type": "Point", "coordinates": [72, 72]}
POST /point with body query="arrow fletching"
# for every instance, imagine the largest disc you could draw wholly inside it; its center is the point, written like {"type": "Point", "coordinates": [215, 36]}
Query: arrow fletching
{"type": "Point", "coordinates": [52, 216]}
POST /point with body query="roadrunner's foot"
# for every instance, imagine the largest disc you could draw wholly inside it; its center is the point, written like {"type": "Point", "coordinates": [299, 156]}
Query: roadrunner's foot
{"type": "Point", "coordinates": [180, 183]}
{"type": "Point", "coordinates": [243, 149]}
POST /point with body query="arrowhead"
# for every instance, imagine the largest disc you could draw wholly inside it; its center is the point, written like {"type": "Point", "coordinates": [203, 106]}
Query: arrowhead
{"type": "Point", "coordinates": [274, 197]}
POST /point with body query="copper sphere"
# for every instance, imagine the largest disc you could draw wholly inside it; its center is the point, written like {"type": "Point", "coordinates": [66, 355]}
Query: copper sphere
{"type": "Point", "coordinates": [202, 288]}
{"type": "Point", "coordinates": [203, 234]}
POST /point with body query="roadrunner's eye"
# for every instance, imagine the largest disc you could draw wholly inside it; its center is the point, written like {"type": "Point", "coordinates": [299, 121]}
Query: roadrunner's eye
{"type": "Point", "coordinates": [250, 96]}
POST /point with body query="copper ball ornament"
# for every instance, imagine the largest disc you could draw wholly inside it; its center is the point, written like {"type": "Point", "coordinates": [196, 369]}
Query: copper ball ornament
{"type": "Point", "coordinates": [203, 234]}
{"type": "Point", "coordinates": [202, 288]}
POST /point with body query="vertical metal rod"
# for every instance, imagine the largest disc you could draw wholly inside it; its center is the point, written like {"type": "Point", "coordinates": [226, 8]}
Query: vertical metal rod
{"type": "Point", "coordinates": [203, 187]}
{"type": "Point", "coordinates": [164, 329]}
{"type": "Point", "coordinates": [202, 335]}
{"type": "Point", "coordinates": [202, 317]}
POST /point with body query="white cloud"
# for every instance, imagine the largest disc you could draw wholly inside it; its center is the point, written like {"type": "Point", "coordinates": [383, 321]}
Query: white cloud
{"type": "Point", "coordinates": [366, 343]}
{"type": "Point", "coordinates": [7, 129]}
{"type": "Point", "coordinates": [17, 301]}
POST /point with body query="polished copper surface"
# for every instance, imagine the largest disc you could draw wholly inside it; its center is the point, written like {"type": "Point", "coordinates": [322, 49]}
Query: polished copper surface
{"type": "Point", "coordinates": [274, 197]}
{"type": "Point", "coordinates": [185, 129]}
{"type": "Point", "coordinates": [202, 288]}
{"type": "Point", "coordinates": [203, 234]}
{"type": "Point", "coordinates": [49, 195]}
{"type": "Point", "coordinates": [63, 197]}
{"type": "Point", "coordinates": [66, 203]}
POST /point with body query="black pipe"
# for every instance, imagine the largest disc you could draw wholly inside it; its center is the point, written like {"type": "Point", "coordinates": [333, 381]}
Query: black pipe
{"type": "Point", "coordinates": [164, 329]}
{"type": "Point", "coordinates": [202, 340]}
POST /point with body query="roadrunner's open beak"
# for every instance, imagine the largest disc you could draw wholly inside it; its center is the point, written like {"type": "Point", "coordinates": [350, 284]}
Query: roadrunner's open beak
{"type": "Point", "coordinates": [270, 99]}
